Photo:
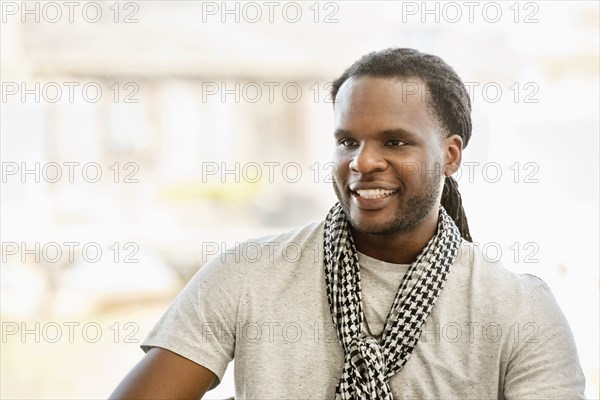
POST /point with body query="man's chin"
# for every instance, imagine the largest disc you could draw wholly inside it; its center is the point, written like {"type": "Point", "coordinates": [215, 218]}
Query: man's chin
{"type": "Point", "coordinates": [373, 226]}
{"type": "Point", "coordinates": [373, 222]}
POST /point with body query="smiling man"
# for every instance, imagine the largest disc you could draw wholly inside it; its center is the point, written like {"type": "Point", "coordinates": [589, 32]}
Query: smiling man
{"type": "Point", "coordinates": [387, 298]}
{"type": "Point", "coordinates": [391, 155]}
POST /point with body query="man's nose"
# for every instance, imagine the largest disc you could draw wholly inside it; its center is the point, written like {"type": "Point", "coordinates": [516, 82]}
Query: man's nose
{"type": "Point", "coordinates": [367, 160]}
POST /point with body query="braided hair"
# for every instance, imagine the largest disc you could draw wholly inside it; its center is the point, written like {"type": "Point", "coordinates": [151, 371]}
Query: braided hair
{"type": "Point", "coordinates": [450, 104]}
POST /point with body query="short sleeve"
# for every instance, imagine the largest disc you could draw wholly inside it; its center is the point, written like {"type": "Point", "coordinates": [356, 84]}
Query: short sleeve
{"type": "Point", "coordinates": [200, 323]}
{"type": "Point", "coordinates": [544, 363]}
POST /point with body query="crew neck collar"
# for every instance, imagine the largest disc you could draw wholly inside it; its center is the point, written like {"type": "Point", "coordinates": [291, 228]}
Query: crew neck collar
{"type": "Point", "coordinates": [370, 262]}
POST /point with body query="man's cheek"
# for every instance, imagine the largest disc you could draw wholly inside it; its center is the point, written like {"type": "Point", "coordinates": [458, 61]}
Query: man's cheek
{"type": "Point", "coordinates": [409, 170]}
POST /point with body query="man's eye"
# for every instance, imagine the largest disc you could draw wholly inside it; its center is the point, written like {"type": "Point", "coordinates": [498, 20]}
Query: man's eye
{"type": "Point", "coordinates": [347, 142]}
{"type": "Point", "coordinates": [395, 142]}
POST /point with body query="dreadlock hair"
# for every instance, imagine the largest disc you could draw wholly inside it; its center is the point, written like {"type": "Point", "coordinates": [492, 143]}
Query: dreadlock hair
{"type": "Point", "coordinates": [449, 102]}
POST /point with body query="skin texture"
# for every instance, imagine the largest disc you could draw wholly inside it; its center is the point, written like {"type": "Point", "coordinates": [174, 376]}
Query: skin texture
{"type": "Point", "coordinates": [161, 374]}
{"type": "Point", "coordinates": [388, 138]}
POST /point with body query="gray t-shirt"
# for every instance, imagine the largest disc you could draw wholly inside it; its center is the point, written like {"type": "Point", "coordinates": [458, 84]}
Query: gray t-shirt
{"type": "Point", "coordinates": [491, 335]}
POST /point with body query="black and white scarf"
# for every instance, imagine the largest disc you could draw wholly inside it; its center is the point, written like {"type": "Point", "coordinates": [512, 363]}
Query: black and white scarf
{"type": "Point", "coordinates": [368, 363]}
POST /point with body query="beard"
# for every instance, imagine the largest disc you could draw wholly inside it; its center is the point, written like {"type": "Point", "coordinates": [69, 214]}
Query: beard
{"type": "Point", "coordinates": [409, 213]}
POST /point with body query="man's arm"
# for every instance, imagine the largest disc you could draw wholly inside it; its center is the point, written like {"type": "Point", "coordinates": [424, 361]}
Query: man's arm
{"type": "Point", "coordinates": [162, 374]}
{"type": "Point", "coordinates": [544, 363]}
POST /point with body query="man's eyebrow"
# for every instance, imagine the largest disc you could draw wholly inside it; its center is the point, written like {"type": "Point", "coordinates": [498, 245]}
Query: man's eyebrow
{"type": "Point", "coordinates": [394, 133]}
{"type": "Point", "coordinates": [339, 133]}
{"type": "Point", "coordinates": [386, 134]}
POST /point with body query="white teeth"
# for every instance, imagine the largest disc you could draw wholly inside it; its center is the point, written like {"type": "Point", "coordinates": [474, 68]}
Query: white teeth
{"type": "Point", "coordinates": [374, 193]}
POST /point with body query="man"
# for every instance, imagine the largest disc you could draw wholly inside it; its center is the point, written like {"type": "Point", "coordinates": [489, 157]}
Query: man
{"type": "Point", "coordinates": [386, 298]}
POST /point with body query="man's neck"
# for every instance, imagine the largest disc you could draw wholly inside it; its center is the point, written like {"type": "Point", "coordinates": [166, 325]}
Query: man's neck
{"type": "Point", "coordinates": [398, 248]}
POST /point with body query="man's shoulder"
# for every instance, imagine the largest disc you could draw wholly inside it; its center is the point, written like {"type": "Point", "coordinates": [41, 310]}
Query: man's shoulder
{"type": "Point", "coordinates": [488, 273]}
{"type": "Point", "coordinates": [290, 246]}
{"type": "Point", "coordinates": [481, 289]}
{"type": "Point", "coordinates": [299, 236]}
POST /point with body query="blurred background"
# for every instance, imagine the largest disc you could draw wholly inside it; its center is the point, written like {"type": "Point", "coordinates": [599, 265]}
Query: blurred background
{"type": "Point", "coordinates": [139, 138]}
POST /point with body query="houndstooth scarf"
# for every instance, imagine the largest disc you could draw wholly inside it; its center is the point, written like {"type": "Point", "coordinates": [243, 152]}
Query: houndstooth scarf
{"type": "Point", "coordinates": [369, 364]}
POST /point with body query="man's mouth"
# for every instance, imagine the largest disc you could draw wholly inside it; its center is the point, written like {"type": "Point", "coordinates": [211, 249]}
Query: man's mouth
{"type": "Point", "coordinates": [374, 193]}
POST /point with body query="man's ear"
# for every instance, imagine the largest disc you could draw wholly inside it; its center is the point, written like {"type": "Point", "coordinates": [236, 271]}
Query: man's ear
{"type": "Point", "coordinates": [452, 148]}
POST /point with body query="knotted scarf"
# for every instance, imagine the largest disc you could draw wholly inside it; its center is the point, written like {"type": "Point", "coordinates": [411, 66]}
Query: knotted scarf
{"type": "Point", "coordinates": [368, 363]}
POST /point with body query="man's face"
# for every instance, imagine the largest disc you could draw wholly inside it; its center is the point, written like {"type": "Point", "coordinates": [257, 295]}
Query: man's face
{"type": "Point", "coordinates": [389, 154]}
